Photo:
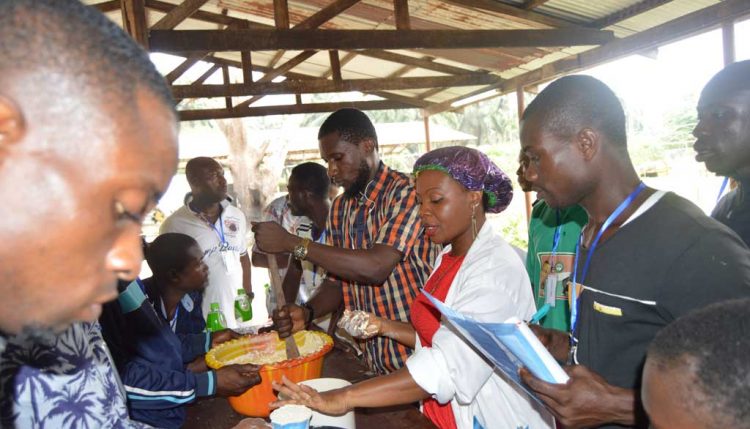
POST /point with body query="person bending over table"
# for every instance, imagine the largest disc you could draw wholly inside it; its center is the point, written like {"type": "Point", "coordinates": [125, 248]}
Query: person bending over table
{"type": "Point", "coordinates": [477, 274]}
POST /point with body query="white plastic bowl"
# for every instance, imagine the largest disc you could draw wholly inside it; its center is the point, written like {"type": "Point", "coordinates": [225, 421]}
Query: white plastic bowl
{"type": "Point", "coordinates": [322, 385]}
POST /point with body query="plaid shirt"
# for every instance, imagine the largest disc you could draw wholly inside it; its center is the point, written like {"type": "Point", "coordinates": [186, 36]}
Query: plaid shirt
{"type": "Point", "coordinates": [386, 213]}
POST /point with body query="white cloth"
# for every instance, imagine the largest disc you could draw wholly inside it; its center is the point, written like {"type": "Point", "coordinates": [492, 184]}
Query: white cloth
{"type": "Point", "coordinates": [224, 268]}
{"type": "Point", "coordinates": [491, 286]}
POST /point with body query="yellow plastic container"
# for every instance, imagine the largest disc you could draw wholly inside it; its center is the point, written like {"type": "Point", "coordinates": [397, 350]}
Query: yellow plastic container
{"type": "Point", "coordinates": [254, 402]}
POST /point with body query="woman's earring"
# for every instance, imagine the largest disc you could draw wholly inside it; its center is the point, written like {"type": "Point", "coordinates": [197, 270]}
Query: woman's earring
{"type": "Point", "coordinates": [474, 221]}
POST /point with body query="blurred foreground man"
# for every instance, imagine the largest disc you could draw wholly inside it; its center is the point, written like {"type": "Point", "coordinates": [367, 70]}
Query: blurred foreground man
{"type": "Point", "coordinates": [88, 142]}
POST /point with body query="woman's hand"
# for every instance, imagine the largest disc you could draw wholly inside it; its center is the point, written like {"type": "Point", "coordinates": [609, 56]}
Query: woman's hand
{"type": "Point", "coordinates": [332, 402]}
{"type": "Point", "coordinates": [361, 324]}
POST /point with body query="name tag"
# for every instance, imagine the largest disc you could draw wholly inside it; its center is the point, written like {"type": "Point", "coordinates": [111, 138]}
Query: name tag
{"type": "Point", "coordinates": [606, 309]}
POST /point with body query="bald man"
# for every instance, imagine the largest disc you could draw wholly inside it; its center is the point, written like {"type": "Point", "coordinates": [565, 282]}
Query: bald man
{"type": "Point", "coordinates": [220, 230]}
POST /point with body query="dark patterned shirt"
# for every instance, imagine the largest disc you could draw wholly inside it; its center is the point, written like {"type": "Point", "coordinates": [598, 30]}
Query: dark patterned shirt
{"type": "Point", "coordinates": [68, 381]}
{"type": "Point", "coordinates": [386, 213]}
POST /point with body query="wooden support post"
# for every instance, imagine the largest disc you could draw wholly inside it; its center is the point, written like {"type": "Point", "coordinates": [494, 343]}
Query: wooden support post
{"type": "Point", "coordinates": [298, 99]}
{"type": "Point", "coordinates": [335, 65]}
{"type": "Point", "coordinates": [427, 146]}
{"type": "Point", "coordinates": [247, 67]}
{"type": "Point", "coordinates": [134, 20]}
{"type": "Point", "coordinates": [727, 39]}
{"type": "Point", "coordinates": [401, 9]}
{"type": "Point", "coordinates": [225, 75]}
{"type": "Point", "coordinates": [281, 14]}
{"type": "Point", "coordinates": [526, 195]}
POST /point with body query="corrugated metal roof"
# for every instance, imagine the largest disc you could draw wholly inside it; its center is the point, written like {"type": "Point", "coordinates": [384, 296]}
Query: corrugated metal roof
{"type": "Point", "coordinates": [432, 14]}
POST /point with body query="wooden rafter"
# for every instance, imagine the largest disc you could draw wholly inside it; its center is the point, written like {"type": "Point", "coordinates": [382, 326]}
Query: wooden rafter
{"type": "Point", "coordinates": [326, 14]}
{"type": "Point", "coordinates": [191, 115]}
{"type": "Point", "coordinates": [206, 75]}
{"type": "Point", "coordinates": [270, 75]}
{"type": "Point", "coordinates": [178, 14]}
{"type": "Point", "coordinates": [425, 63]}
{"type": "Point", "coordinates": [533, 4]}
{"type": "Point", "coordinates": [134, 20]}
{"type": "Point", "coordinates": [327, 86]}
{"type": "Point", "coordinates": [184, 66]}
{"type": "Point", "coordinates": [107, 6]}
{"type": "Point", "coordinates": [281, 14]}
{"type": "Point", "coordinates": [528, 16]}
{"type": "Point", "coordinates": [186, 41]}
{"type": "Point", "coordinates": [333, 57]}
{"type": "Point", "coordinates": [401, 12]}
{"type": "Point", "coordinates": [629, 12]}
{"type": "Point", "coordinates": [342, 62]}
{"type": "Point", "coordinates": [684, 26]}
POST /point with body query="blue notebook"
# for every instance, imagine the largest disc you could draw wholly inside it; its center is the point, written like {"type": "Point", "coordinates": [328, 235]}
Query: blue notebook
{"type": "Point", "coordinates": [508, 346]}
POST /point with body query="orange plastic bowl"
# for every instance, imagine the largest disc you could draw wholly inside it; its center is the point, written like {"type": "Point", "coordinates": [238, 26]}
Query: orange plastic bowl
{"type": "Point", "coordinates": [254, 402]}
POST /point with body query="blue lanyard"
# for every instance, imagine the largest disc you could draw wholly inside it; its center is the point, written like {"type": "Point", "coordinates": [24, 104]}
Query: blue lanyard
{"type": "Point", "coordinates": [573, 290]}
{"type": "Point", "coordinates": [173, 322]}
{"type": "Point", "coordinates": [219, 233]}
{"type": "Point", "coordinates": [556, 237]}
{"type": "Point", "coordinates": [721, 190]}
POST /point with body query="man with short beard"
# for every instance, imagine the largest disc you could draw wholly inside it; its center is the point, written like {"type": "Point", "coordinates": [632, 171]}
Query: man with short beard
{"type": "Point", "coordinates": [377, 257]}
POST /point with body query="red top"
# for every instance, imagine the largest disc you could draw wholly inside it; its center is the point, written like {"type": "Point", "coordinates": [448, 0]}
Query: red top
{"type": "Point", "coordinates": [426, 321]}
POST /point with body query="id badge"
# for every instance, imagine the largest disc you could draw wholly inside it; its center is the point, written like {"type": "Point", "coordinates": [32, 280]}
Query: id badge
{"type": "Point", "coordinates": [225, 259]}
{"type": "Point", "coordinates": [550, 290]}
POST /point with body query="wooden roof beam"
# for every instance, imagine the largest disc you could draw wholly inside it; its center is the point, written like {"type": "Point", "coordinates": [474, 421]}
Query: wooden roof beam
{"type": "Point", "coordinates": [529, 16]}
{"type": "Point", "coordinates": [401, 13]}
{"type": "Point", "coordinates": [134, 20]}
{"type": "Point", "coordinates": [185, 66]}
{"type": "Point", "coordinates": [685, 26]}
{"type": "Point", "coordinates": [107, 6]}
{"type": "Point", "coordinates": [186, 41]}
{"type": "Point", "coordinates": [533, 4]}
{"type": "Point", "coordinates": [423, 63]}
{"type": "Point", "coordinates": [342, 62]}
{"type": "Point", "coordinates": [326, 14]}
{"type": "Point", "coordinates": [202, 114]}
{"type": "Point", "coordinates": [178, 14]}
{"type": "Point", "coordinates": [629, 12]}
{"type": "Point", "coordinates": [327, 86]}
{"type": "Point", "coordinates": [281, 14]}
{"type": "Point", "coordinates": [333, 58]}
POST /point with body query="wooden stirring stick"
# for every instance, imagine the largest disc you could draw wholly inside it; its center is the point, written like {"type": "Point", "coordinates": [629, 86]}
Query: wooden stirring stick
{"type": "Point", "coordinates": [292, 352]}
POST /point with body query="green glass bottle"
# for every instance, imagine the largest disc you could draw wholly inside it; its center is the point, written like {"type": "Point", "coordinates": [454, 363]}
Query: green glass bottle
{"type": "Point", "coordinates": [243, 309]}
{"type": "Point", "coordinates": [215, 320]}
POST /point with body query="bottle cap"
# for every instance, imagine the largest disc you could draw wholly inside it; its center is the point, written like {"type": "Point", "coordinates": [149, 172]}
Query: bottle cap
{"type": "Point", "coordinates": [215, 306]}
{"type": "Point", "coordinates": [241, 292]}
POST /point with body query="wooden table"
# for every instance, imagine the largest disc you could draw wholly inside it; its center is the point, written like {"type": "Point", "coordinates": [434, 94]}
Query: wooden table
{"type": "Point", "coordinates": [216, 413]}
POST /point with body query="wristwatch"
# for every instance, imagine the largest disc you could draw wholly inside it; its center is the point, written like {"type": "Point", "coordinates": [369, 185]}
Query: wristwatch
{"type": "Point", "coordinates": [310, 314]}
{"type": "Point", "coordinates": [300, 251]}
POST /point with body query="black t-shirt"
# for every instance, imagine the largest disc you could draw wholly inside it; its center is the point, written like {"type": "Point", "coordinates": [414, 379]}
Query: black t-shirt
{"type": "Point", "coordinates": [733, 210]}
{"type": "Point", "coordinates": [665, 262]}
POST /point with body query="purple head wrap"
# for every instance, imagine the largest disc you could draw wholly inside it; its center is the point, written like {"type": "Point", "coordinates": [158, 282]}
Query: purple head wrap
{"type": "Point", "coordinates": [474, 170]}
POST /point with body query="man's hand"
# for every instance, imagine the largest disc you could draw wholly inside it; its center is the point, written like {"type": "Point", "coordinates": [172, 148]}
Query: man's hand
{"type": "Point", "coordinates": [556, 342]}
{"type": "Point", "coordinates": [223, 336]}
{"type": "Point", "coordinates": [198, 365]}
{"type": "Point", "coordinates": [290, 319]}
{"type": "Point", "coordinates": [586, 400]}
{"type": "Point", "coordinates": [332, 402]}
{"type": "Point", "coordinates": [272, 238]}
{"type": "Point", "coordinates": [233, 380]}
